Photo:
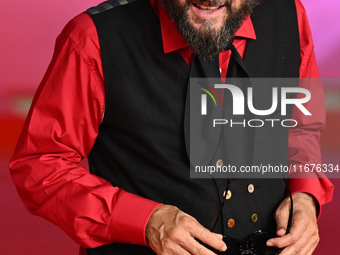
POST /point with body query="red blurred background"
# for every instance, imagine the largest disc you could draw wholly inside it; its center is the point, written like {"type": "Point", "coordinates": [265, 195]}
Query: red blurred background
{"type": "Point", "coordinates": [27, 33]}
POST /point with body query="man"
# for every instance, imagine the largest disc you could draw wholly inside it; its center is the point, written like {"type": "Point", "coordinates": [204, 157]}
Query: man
{"type": "Point", "coordinates": [139, 194]}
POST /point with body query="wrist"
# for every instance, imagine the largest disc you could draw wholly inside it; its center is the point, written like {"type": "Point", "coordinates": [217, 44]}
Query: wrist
{"type": "Point", "coordinates": [305, 200]}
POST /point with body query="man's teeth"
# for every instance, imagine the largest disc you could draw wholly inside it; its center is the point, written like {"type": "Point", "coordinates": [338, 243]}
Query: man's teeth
{"type": "Point", "coordinates": [207, 8]}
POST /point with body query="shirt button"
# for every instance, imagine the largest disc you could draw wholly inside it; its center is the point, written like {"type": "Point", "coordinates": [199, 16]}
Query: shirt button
{"type": "Point", "coordinates": [231, 223]}
{"type": "Point", "coordinates": [219, 163]}
{"type": "Point", "coordinates": [228, 196]}
{"type": "Point", "coordinates": [251, 188]}
{"type": "Point", "coordinates": [254, 218]}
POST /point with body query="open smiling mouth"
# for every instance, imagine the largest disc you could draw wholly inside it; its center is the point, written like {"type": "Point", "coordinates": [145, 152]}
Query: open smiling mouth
{"type": "Point", "coordinates": [207, 8]}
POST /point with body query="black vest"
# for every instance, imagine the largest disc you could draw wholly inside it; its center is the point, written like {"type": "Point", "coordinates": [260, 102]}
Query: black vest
{"type": "Point", "coordinates": [140, 147]}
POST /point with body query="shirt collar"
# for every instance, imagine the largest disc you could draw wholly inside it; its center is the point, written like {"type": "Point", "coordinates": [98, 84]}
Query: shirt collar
{"type": "Point", "coordinates": [173, 41]}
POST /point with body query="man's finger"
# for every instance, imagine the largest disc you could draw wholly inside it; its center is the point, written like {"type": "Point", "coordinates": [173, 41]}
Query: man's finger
{"type": "Point", "coordinates": [282, 242]}
{"type": "Point", "coordinates": [291, 250]}
{"type": "Point", "coordinates": [177, 249]}
{"type": "Point", "coordinates": [209, 238]}
{"type": "Point", "coordinates": [282, 217]}
{"type": "Point", "coordinates": [296, 247]}
{"type": "Point", "coordinates": [300, 247]}
{"type": "Point", "coordinates": [296, 233]}
{"type": "Point", "coordinates": [194, 247]}
{"type": "Point", "coordinates": [218, 236]}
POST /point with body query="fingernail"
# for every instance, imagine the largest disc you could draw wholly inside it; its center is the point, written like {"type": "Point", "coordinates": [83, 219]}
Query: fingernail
{"type": "Point", "coordinates": [281, 231]}
{"type": "Point", "coordinates": [219, 236]}
{"type": "Point", "coordinates": [270, 243]}
{"type": "Point", "coordinates": [224, 248]}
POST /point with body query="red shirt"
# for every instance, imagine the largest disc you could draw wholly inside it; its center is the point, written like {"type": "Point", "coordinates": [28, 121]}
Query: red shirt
{"type": "Point", "coordinates": [62, 127]}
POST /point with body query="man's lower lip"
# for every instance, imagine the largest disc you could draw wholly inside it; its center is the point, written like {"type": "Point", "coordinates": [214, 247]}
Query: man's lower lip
{"type": "Point", "coordinates": [207, 14]}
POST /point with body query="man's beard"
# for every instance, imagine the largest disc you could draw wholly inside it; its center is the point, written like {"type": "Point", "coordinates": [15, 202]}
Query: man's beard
{"type": "Point", "coordinates": [207, 41]}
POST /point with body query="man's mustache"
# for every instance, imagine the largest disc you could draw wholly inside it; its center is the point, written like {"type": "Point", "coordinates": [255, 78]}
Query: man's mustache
{"type": "Point", "coordinates": [226, 3]}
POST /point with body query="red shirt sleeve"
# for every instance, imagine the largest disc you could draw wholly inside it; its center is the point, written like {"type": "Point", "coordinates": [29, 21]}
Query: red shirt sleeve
{"type": "Point", "coordinates": [304, 140]}
{"type": "Point", "coordinates": [59, 132]}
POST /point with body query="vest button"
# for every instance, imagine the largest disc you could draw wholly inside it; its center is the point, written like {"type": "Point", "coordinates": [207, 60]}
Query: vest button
{"type": "Point", "coordinates": [219, 163]}
{"type": "Point", "coordinates": [231, 223]}
{"type": "Point", "coordinates": [254, 218]}
{"type": "Point", "coordinates": [251, 188]}
{"type": "Point", "coordinates": [228, 196]}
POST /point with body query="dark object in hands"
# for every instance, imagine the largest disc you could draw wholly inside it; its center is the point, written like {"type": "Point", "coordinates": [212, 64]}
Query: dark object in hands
{"type": "Point", "coordinates": [253, 245]}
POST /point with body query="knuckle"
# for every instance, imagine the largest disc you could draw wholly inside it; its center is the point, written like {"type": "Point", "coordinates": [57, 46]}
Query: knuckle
{"type": "Point", "coordinates": [200, 250]}
{"type": "Point", "coordinates": [174, 235]}
{"type": "Point", "coordinates": [204, 235]}
{"type": "Point", "coordinates": [178, 238]}
{"type": "Point", "coordinates": [317, 239]}
{"type": "Point", "coordinates": [167, 246]}
{"type": "Point", "coordinates": [314, 231]}
{"type": "Point", "coordinates": [294, 238]}
{"type": "Point", "coordinates": [299, 248]}
{"type": "Point", "coordinates": [278, 213]}
{"type": "Point", "coordinates": [187, 223]}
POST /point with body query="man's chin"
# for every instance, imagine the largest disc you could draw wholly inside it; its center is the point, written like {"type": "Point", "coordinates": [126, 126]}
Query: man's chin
{"type": "Point", "coordinates": [207, 30]}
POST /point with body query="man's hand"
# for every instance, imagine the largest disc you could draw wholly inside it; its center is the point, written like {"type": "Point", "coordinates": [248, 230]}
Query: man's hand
{"type": "Point", "coordinates": [171, 231]}
{"type": "Point", "coordinates": [303, 236]}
